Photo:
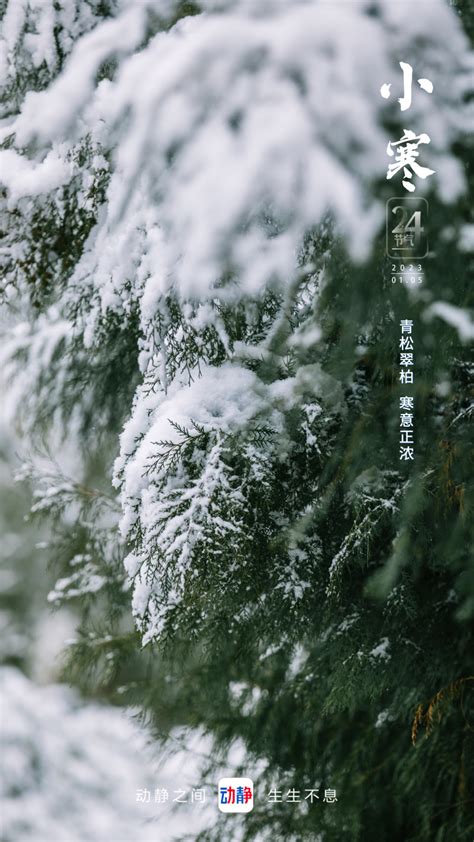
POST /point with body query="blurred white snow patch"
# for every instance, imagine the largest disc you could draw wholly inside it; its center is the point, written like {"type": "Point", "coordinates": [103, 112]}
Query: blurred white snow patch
{"type": "Point", "coordinates": [381, 650]}
{"type": "Point", "coordinates": [384, 717]}
{"type": "Point", "coordinates": [244, 696]}
{"type": "Point", "coordinates": [23, 177]}
{"type": "Point", "coordinates": [67, 95]}
{"type": "Point", "coordinates": [51, 632]}
{"type": "Point", "coordinates": [298, 661]}
{"type": "Point", "coordinates": [457, 317]}
{"type": "Point", "coordinates": [270, 115]}
{"type": "Point", "coordinates": [466, 239]}
{"type": "Point", "coordinates": [70, 772]}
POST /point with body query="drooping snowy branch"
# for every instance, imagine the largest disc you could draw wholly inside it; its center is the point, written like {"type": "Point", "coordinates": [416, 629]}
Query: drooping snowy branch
{"type": "Point", "coordinates": [186, 167]}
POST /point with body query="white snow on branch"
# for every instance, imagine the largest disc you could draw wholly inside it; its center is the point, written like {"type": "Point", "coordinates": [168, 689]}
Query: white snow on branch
{"type": "Point", "coordinates": [23, 177]}
{"type": "Point", "coordinates": [457, 317]}
{"type": "Point", "coordinates": [381, 651]}
{"type": "Point", "coordinates": [241, 130]}
{"type": "Point", "coordinates": [71, 771]}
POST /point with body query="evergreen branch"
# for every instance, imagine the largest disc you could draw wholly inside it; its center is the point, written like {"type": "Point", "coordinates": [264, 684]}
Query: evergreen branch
{"type": "Point", "coordinates": [427, 711]}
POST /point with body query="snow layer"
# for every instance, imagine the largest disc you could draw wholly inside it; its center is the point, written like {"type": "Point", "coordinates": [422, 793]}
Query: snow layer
{"type": "Point", "coordinates": [70, 772]}
{"type": "Point", "coordinates": [235, 131]}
